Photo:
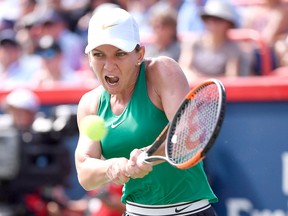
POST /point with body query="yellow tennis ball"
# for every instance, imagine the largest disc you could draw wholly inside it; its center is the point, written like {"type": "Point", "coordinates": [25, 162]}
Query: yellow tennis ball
{"type": "Point", "coordinates": [93, 127]}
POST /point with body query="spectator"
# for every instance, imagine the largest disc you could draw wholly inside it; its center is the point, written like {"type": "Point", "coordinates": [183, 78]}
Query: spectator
{"type": "Point", "coordinates": [165, 40]}
{"type": "Point", "coordinates": [54, 69]}
{"type": "Point", "coordinates": [22, 105]}
{"type": "Point", "coordinates": [282, 53]}
{"type": "Point", "coordinates": [9, 13]}
{"type": "Point", "coordinates": [213, 53]}
{"type": "Point", "coordinates": [188, 14]}
{"type": "Point", "coordinates": [15, 68]}
{"type": "Point", "coordinates": [20, 108]}
{"type": "Point", "coordinates": [281, 46]}
{"type": "Point", "coordinates": [29, 31]}
{"type": "Point", "coordinates": [54, 24]}
{"type": "Point", "coordinates": [270, 19]}
{"type": "Point", "coordinates": [72, 10]}
{"type": "Point", "coordinates": [141, 11]}
{"type": "Point", "coordinates": [27, 6]}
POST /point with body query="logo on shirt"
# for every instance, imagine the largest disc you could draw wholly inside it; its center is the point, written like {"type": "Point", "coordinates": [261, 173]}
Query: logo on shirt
{"type": "Point", "coordinates": [114, 125]}
{"type": "Point", "coordinates": [177, 210]}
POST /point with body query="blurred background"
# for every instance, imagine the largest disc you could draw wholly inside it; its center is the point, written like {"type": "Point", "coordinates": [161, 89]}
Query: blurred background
{"type": "Point", "coordinates": [44, 72]}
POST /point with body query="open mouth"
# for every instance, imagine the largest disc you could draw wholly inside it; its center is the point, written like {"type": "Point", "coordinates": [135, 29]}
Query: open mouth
{"type": "Point", "coordinates": [112, 80]}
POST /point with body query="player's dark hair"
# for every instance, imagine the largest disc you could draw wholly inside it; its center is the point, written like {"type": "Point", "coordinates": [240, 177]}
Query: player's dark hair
{"type": "Point", "coordinates": [137, 48]}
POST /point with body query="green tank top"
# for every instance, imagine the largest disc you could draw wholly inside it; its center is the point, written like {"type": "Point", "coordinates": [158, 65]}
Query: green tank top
{"type": "Point", "coordinates": [138, 126]}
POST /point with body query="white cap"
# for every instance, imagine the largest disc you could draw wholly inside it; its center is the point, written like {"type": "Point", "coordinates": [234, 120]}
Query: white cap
{"type": "Point", "coordinates": [23, 99]}
{"type": "Point", "coordinates": [115, 27]}
{"type": "Point", "coordinates": [222, 9]}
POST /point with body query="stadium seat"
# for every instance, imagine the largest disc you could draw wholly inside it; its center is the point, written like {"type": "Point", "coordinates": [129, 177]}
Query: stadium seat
{"type": "Point", "coordinates": [250, 35]}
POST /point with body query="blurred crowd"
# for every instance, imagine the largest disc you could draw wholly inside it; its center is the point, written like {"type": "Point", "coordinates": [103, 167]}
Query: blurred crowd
{"type": "Point", "coordinates": [42, 44]}
{"type": "Point", "coordinates": [42, 41]}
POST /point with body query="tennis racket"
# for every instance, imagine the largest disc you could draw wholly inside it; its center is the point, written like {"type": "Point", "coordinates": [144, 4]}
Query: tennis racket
{"type": "Point", "coordinates": [194, 128]}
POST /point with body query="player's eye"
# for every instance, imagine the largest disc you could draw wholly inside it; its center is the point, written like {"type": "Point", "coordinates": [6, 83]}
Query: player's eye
{"type": "Point", "coordinates": [97, 54]}
{"type": "Point", "coordinates": [119, 54]}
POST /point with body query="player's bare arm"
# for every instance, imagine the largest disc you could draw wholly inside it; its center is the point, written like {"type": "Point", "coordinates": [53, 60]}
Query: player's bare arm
{"type": "Point", "coordinates": [93, 172]}
{"type": "Point", "coordinates": [167, 86]}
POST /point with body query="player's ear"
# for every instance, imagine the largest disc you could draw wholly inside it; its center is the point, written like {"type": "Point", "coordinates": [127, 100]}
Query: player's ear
{"type": "Point", "coordinates": [89, 59]}
{"type": "Point", "coordinates": [141, 53]}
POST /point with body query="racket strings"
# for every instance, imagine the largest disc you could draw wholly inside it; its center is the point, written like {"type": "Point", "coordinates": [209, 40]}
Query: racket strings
{"type": "Point", "coordinates": [195, 124]}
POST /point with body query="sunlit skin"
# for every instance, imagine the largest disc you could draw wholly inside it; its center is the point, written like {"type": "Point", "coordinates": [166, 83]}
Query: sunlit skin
{"type": "Point", "coordinates": [115, 70]}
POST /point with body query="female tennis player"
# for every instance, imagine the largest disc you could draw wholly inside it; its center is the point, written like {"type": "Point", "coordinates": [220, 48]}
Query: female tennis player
{"type": "Point", "coordinates": [137, 97]}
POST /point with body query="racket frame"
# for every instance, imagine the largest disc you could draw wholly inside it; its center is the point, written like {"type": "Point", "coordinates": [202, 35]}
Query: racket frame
{"type": "Point", "coordinates": [166, 133]}
{"type": "Point", "coordinates": [201, 154]}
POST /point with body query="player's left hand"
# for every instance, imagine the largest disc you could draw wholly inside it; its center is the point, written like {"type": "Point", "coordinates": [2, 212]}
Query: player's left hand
{"type": "Point", "coordinates": [137, 168]}
{"type": "Point", "coordinates": [116, 171]}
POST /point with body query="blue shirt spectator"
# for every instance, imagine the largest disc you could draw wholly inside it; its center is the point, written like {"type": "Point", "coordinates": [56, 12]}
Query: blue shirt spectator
{"type": "Point", "coordinates": [15, 68]}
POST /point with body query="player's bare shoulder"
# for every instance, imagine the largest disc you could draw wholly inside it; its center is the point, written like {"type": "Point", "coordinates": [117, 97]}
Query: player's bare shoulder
{"type": "Point", "coordinates": [164, 69]}
{"type": "Point", "coordinates": [165, 79]}
{"type": "Point", "coordinates": [89, 101]}
{"type": "Point", "coordinates": [162, 65]}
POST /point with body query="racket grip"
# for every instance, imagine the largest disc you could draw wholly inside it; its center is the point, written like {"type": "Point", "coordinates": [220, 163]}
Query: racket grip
{"type": "Point", "coordinates": [142, 158]}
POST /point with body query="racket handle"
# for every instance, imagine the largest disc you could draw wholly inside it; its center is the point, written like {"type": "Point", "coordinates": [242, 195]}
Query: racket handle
{"type": "Point", "coordinates": [142, 158]}
{"type": "Point", "coordinates": [159, 140]}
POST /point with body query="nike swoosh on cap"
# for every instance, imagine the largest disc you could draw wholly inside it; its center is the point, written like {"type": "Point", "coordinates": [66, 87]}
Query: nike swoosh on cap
{"type": "Point", "coordinates": [104, 27]}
